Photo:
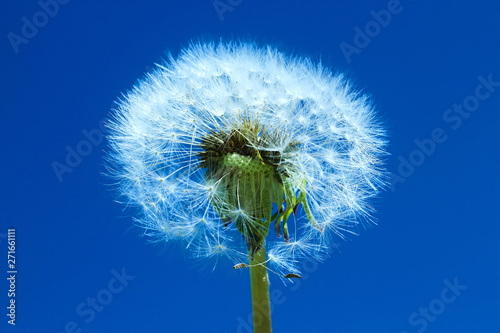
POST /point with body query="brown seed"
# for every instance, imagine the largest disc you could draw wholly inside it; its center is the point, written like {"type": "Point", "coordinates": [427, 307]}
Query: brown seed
{"type": "Point", "coordinates": [292, 276]}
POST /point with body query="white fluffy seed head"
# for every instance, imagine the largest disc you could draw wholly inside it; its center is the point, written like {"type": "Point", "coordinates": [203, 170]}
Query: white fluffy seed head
{"type": "Point", "coordinates": [158, 130]}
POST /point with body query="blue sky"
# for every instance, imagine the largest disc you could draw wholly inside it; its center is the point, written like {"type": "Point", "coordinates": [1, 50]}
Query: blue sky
{"type": "Point", "coordinates": [431, 263]}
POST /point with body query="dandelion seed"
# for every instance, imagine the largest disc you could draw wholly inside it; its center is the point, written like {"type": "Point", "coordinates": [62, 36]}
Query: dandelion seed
{"type": "Point", "coordinates": [292, 276]}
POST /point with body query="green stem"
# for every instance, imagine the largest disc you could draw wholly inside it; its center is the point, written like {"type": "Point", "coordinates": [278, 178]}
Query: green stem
{"type": "Point", "coordinates": [261, 305]}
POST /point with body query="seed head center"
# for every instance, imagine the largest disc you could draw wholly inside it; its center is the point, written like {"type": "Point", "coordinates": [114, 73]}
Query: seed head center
{"type": "Point", "coordinates": [247, 164]}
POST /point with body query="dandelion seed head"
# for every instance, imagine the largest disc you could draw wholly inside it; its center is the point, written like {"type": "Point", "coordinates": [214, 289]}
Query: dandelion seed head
{"type": "Point", "coordinates": [232, 140]}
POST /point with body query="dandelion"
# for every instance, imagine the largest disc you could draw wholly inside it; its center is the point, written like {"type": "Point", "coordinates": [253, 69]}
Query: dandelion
{"type": "Point", "coordinates": [232, 149]}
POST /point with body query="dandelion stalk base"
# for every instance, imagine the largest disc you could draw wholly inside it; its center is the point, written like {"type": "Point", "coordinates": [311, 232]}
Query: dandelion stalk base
{"type": "Point", "coordinates": [261, 303]}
